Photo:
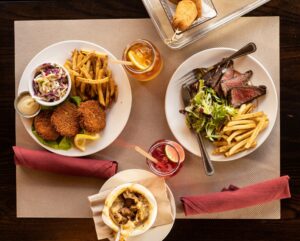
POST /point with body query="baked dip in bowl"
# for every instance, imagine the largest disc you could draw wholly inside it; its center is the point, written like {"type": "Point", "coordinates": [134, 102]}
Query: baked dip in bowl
{"type": "Point", "coordinates": [131, 207]}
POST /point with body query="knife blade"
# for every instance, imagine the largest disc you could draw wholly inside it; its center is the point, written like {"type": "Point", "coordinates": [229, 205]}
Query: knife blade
{"type": "Point", "coordinates": [208, 167]}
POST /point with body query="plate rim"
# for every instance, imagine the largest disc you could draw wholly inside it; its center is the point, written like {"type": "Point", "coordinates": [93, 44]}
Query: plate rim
{"type": "Point", "coordinates": [232, 158]}
{"type": "Point", "coordinates": [66, 153]}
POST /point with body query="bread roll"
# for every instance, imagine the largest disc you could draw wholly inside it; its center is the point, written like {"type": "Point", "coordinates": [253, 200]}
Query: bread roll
{"type": "Point", "coordinates": [185, 14]}
{"type": "Point", "coordinates": [199, 7]}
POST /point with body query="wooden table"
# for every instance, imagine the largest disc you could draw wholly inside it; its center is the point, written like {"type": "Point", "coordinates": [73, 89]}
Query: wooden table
{"type": "Point", "coordinates": [12, 228]}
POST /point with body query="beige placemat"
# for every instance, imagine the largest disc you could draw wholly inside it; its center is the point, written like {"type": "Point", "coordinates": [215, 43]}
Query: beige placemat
{"type": "Point", "coordinates": [42, 194]}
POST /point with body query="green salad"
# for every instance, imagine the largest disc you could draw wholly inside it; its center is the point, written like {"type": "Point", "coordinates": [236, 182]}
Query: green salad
{"type": "Point", "coordinates": [207, 112]}
{"type": "Point", "coordinates": [62, 143]}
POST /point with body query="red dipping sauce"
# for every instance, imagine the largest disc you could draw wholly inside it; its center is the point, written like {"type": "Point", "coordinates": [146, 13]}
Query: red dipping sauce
{"type": "Point", "coordinates": [170, 156]}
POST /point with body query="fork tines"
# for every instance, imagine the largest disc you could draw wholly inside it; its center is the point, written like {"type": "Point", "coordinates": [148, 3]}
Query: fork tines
{"type": "Point", "coordinates": [188, 78]}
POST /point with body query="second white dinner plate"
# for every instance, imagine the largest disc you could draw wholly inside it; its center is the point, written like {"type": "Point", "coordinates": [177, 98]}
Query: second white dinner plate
{"type": "Point", "coordinates": [116, 117]}
{"type": "Point", "coordinates": [173, 102]}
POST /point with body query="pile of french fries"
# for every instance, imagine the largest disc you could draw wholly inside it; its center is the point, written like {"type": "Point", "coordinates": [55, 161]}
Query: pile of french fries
{"type": "Point", "coordinates": [91, 77]}
{"type": "Point", "coordinates": [240, 132]}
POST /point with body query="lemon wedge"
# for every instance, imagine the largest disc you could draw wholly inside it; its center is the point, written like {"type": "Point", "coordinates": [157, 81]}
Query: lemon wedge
{"type": "Point", "coordinates": [138, 61]}
{"type": "Point", "coordinates": [80, 140]}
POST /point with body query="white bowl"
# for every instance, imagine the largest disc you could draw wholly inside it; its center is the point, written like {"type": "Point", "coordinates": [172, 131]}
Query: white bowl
{"type": "Point", "coordinates": [43, 102]}
{"type": "Point", "coordinates": [115, 193]}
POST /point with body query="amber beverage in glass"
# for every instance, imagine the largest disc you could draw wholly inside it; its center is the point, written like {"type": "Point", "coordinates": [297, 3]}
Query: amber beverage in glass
{"type": "Point", "coordinates": [146, 60]}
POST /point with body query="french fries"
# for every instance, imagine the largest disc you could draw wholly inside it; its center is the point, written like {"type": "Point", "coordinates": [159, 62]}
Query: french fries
{"type": "Point", "coordinates": [248, 116]}
{"type": "Point", "coordinates": [242, 131]}
{"type": "Point", "coordinates": [91, 77]}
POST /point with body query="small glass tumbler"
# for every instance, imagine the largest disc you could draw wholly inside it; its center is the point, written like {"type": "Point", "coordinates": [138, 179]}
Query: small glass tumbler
{"type": "Point", "coordinates": [170, 156]}
{"type": "Point", "coordinates": [146, 60]}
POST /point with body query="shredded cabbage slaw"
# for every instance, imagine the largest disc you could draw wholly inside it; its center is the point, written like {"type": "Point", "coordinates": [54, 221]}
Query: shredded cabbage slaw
{"type": "Point", "coordinates": [50, 82]}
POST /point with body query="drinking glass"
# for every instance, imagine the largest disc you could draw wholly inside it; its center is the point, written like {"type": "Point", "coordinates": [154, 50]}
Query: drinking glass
{"type": "Point", "coordinates": [146, 60]}
{"type": "Point", "coordinates": [170, 157]}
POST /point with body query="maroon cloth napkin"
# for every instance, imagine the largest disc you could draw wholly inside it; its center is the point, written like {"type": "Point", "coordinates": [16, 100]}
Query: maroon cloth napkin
{"type": "Point", "coordinates": [234, 198]}
{"type": "Point", "coordinates": [47, 161]}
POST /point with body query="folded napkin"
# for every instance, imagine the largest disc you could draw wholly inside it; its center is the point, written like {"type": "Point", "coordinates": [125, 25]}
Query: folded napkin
{"type": "Point", "coordinates": [47, 161]}
{"type": "Point", "coordinates": [235, 198]}
{"type": "Point", "coordinates": [158, 188]}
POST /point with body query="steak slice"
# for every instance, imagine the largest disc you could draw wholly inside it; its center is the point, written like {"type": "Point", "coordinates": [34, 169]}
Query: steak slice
{"type": "Point", "coordinates": [236, 73]}
{"type": "Point", "coordinates": [229, 74]}
{"type": "Point", "coordinates": [244, 94]}
{"type": "Point", "coordinates": [213, 77]}
{"type": "Point", "coordinates": [238, 81]}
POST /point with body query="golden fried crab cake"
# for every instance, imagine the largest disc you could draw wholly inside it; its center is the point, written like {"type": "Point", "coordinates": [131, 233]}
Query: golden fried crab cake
{"type": "Point", "coordinates": [92, 117]}
{"type": "Point", "coordinates": [43, 126]}
{"type": "Point", "coordinates": [65, 119]}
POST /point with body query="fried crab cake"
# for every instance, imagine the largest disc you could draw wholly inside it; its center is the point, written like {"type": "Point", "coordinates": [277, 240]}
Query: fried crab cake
{"type": "Point", "coordinates": [65, 119]}
{"type": "Point", "coordinates": [92, 117]}
{"type": "Point", "coordinates": [43, 126]}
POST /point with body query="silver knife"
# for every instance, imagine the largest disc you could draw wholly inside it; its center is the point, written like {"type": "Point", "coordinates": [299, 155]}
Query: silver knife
{"type": "Point", "coordinates": [208, 167]}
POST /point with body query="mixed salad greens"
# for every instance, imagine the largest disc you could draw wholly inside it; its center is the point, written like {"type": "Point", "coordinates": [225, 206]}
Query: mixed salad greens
{"type": "Point", "coordinates": [63, 143]}
{"type": "Point", "coordinates": [207, 112]}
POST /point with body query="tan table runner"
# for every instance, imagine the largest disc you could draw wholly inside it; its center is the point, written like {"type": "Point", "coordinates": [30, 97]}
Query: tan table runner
{"type": "Point", "coordinates": [42, 194]}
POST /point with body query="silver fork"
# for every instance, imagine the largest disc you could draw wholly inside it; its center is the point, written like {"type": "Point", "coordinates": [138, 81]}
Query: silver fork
{"type": "Point", "coordinates": [208, 167]}
{"type": "Point", "coordinates": [191, 76]}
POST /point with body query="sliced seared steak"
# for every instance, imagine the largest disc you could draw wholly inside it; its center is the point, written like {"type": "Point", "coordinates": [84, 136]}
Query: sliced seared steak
{"type": "Point", "coordinates": [229, 74]}
{"type": "Point", "coordinates": [230, 84]}
{"type": "Point", "coordinates": [244, 94]}
{"type": "Point", "coordinates": [218, 89]}
{"type": "Point", "coordinates": [236, 73]}
{"type": "Point", "coordinates": [238, 81]}
{"type": "Point", "coordinates": [213, 77]}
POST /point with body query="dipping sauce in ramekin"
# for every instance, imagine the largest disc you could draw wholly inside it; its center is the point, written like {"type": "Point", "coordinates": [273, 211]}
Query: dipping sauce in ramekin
{"type": "Point", "coordinates": [26, 106]}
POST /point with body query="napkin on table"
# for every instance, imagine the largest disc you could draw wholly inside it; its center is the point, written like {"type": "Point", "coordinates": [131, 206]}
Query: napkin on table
{"type": "Point", "coordinates": [155, 185]}
{"type": "Point", "coordinates": [235, 198]}
{"type": "Point", "coordinates": [47, 161]}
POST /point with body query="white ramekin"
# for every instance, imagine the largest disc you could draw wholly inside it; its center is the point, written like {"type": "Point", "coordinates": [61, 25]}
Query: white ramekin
{"type": "Point", "coordinates": [46, 103]}
{"type": "Point", "coordinates": [115, 193]}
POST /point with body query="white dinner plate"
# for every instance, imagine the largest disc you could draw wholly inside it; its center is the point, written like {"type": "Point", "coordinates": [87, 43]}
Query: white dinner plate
{"type": "Point", "coordinates": [131, 175]}
{"type": "Point", "coordinates": [173, 102]}
{"type": "Point", "coordinates": [116, 117]}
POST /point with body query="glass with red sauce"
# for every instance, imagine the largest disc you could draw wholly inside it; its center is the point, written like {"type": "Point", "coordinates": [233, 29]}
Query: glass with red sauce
{"type": "Point", "coordinates": [170, 156]}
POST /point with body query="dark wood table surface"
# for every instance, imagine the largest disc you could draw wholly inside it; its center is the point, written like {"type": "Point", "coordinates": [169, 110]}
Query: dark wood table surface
{"type": "Point", "coordinates": [30, 229]}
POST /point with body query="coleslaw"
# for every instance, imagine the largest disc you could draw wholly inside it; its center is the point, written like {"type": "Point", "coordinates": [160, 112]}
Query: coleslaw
{"type": "Point", "coordinates": [50, 82]}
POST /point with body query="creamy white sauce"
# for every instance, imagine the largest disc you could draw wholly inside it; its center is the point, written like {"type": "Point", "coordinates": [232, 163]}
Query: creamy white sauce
{"type": "Point", "coordinates": [27, 105]}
